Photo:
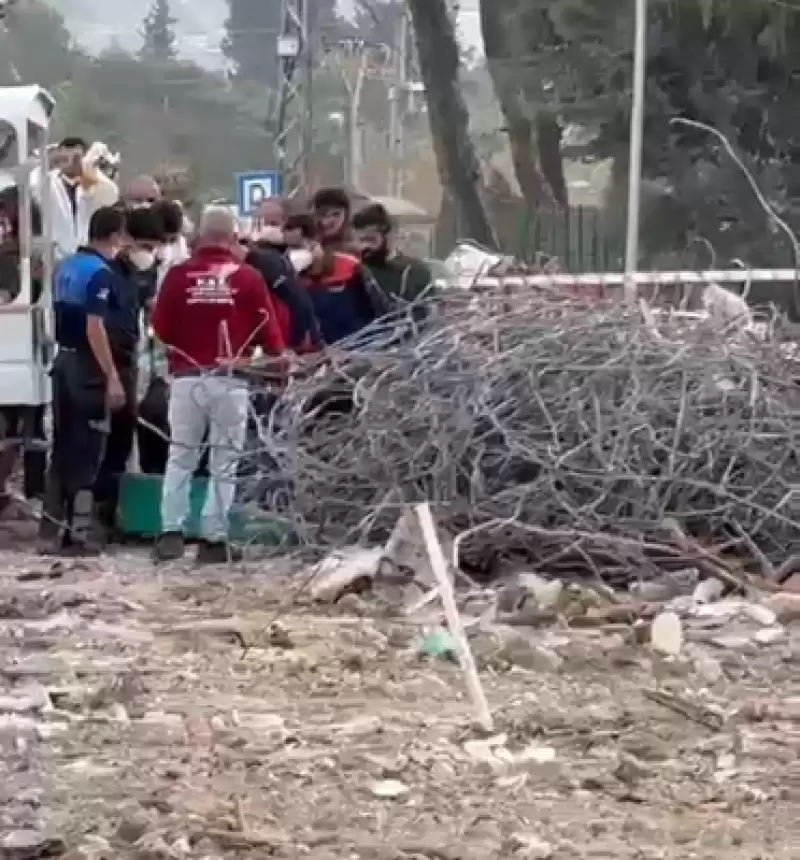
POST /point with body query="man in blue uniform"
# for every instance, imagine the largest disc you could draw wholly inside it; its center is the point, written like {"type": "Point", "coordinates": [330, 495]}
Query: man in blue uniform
{"type": "Point", "coordinates": [134, 265]}
{"type": "Point", "coordinates": [86, 384]}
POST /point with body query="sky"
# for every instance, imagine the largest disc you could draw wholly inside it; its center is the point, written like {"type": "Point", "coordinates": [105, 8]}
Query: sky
{"type": "Point", "coordinates": [200, 26]}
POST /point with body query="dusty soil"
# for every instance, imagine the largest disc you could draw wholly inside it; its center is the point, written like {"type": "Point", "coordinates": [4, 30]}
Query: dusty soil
{"type": "Point", "coordinates": [149, 714]}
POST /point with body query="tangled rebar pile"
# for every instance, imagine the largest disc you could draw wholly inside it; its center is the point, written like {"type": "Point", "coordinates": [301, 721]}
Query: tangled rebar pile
{"type": "Point", "coordinates": [581, 438]}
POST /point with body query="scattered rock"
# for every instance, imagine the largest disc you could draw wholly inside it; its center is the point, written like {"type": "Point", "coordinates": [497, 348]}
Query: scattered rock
{"type": "Point", "coordinates": [785, 605]}
{"type": "Point", "coordinates": [344, 572]}
{"type": "Point", "coordinates": [760, 614]}
{"type": "Point", "coordinates": [666, 634]}
{"type": "Point", "coordinates": [709, 669]}
{"type": "Point", "coordinates": [708, 591]}
{"type": "Point", "coordinates": [530, 846]}
{"type": "Point", "coordinates": [509, 647]}
{"type": "Point", "coordinates": [546, 592]}
{"type": "Point", "coordinates": [630, 769]}
{"type": "Point", "coordinates": [389, 789]}
{"type": "Point", "coordinates": [31, 699]}
{"type": "Point", "coordinates": [133, 827]}
{"type": "Point", "coordinates": [30, 845]}
{"type": "Point", "coordinates": [769, 635]}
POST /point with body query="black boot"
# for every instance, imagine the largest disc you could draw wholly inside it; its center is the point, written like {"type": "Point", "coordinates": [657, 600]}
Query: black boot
{"type": "Point", "coordinates": [170, 546]}
{"type": "Point", "coordinates": [217, 552]}
{"type": "Point", "coordinates": [84, 530]}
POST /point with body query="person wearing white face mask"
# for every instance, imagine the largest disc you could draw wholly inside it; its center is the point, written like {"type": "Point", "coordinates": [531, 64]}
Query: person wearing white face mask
{"type": "Point", "coordinates": [135, 265]}
{"type": "Point", "coordinates": [174, 249]}
{"type": "Point", "coordinates": [270, 254]}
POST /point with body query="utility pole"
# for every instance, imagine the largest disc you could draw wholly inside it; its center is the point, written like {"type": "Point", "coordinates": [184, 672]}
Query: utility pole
{"type": "Point", "coordinates": [293, 116]}
{"type": "Point", "coordinates": [398, 106]}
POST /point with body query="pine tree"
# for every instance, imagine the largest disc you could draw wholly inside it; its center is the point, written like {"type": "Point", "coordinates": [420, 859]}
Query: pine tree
{"type": "Point", "coordinates": [158, 34]}
{"type": "Point", "coordinates": [251, 41]}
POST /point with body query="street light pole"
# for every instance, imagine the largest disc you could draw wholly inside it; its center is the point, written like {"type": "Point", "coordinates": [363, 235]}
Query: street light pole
{"type": "Point", "coordinates": [635, 157]}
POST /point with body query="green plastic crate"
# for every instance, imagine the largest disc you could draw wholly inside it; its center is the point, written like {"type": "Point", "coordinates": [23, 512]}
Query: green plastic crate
{"type": "Point", "coordinates": [139, 514]}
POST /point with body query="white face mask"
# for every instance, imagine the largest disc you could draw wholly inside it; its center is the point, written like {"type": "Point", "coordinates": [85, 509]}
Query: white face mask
{"type": "Point", "coordinates": [143, 260]}
{"type": "Point", "coordinates": [271, 234]}
{"type": "Point", "coordinates": [300, 258]}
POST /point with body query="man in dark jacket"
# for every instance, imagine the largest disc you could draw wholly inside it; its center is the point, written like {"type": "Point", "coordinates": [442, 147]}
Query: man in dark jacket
{"type": "Point", "coordinates": [134, 265]}
{"type": "Point", "coordinates": [405, 279]}
{"type": "Point", "coordinates": [268, 255]}
{"type": "Point", "coordinates": [344, 295]}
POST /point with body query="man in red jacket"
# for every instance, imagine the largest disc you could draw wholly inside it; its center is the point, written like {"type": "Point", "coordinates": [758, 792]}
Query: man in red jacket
{"type": "Point", "coordinates": [211, 312]}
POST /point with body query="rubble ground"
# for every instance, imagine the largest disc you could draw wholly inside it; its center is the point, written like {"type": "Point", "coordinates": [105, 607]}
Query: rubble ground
{"type": "Point", "coordinates": [157, 714]}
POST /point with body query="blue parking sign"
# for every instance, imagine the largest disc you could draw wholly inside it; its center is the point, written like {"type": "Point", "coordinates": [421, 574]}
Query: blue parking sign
{"type": "Point", "coordinates": [253, 188]}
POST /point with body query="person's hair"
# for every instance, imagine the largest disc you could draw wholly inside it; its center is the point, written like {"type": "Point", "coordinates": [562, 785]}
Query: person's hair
{"type": "Point", "coordinates": [170, 215]}
{"type": "Point", "coordinates": [217, 223]}
{"type": "Point", "coordinates": [106, 222]}
{"type": "Point", "coordinates": [331, 198]}
{"type": "Point", "coordinates": [144, 225]}
{"type": "Point", "coordinates": [74, 143]}
{"type": "Point", "coordinates": [303, 222]}
{"type": "Point", "coordinates": [373, 216]}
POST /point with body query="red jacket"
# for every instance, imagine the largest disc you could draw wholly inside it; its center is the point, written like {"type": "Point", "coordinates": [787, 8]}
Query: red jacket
{"type": "Point", "coordinates": [214, 308]}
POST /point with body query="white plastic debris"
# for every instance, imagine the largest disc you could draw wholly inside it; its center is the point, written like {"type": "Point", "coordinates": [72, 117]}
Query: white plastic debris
{"type": "Point", "coordinates": [666, 634]}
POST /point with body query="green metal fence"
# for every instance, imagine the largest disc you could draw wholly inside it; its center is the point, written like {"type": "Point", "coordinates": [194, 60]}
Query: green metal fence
{"type": "Point", "coordinates": [578, 236]}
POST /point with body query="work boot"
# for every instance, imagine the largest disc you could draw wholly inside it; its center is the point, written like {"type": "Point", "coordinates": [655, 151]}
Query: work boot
{"type": "Point", "coordinates": [85, 540]}
{"type": "Point", "coordinates": [217, 552]}
{"type": "Point", "coordinates": [102, 527]}
{"type": "Point", "coordinates": [170, 546]}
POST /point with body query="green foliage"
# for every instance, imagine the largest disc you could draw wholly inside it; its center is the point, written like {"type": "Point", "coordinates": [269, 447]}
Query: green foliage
{"type": "Point", "coordinates": [166, 114]}
{"type": "Point", "coordinates": [251, 42]}
{"type": "Point", "coordinates": [730, 65]}
{"type": "Point", "coordinates": [158, 35]}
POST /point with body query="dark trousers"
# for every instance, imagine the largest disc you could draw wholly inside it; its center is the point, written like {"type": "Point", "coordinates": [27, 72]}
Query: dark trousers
{"type": "Point", "coordinates": [118, 449]}
{"type": "Point", "coordinates": [80, 429]}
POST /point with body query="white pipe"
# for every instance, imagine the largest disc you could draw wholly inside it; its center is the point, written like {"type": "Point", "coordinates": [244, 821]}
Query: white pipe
{"type": "Point", "coordinates": [620, 279]}
{"type": "Point", "coordinates": [635, 157]}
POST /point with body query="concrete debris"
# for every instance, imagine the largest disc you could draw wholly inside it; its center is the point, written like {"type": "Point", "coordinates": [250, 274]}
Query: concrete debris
{"type": "Point", "coordinates": [666, 634]}
{"type": "Point", "coordinates": [545, 592]}
{"type": "Point", "coordinates": [610, 712]}
{"type": "Point", "coordinates": [342, 572]}
{"type": "Point", "coordinates": [530, 846]}
{"type": "Point", "coordinates": [389, 789]}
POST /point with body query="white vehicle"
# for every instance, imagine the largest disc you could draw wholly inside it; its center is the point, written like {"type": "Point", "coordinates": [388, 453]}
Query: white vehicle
{"type": "Point", "coordinates": [26, 320]}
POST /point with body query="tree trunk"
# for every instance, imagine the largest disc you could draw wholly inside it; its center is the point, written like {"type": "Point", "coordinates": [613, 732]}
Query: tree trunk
{"type": "Point", "coordinates": [507, 42]}
{"type": "Point", "coordinates": [457, 162]}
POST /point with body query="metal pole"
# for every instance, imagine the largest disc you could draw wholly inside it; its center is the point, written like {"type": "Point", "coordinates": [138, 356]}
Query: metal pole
{"type": "Point", "coordinates": [355, 122]}
{"type": "Point", "coordinates": [635, 158]}
{"type": "Point", "coordinates": [307, 142]}
{"type": "Point", "coordinates": [403, 106]}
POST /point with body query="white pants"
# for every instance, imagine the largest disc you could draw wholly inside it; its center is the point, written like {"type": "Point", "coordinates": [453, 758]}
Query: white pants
{"type": "Point", "coordinates": [213, 404]}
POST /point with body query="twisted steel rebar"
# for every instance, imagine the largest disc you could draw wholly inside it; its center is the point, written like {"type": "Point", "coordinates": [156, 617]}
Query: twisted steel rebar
{"type": "Point", "coordinates": [566, 434]}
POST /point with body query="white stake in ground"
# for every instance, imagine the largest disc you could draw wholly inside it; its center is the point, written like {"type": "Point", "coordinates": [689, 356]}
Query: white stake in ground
{"type": "Point", "coordinates": [465, 658]}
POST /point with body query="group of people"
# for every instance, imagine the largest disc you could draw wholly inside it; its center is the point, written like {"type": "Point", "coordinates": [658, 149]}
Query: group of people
{"type": "Point", "coordinates": [216, 301]}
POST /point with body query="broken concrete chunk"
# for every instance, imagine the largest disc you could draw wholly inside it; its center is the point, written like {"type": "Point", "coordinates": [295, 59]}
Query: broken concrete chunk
{"type": "Point", "coordinates": [545, 592]}
{"type": "Point", "coordinates": [342, 572]}
{"type": "Point", "coordinates": [666, 634]}
{"type": "Point", "coordinates": [760, 614]}
{"type": "Point", "coordinates": [785, 605]}
{"type": "Point", "coordinates": [530, 846]}
{"type": "Point", "coordinates": [389, 789]}
{"type": "Point", "coordinates": [708, 591]}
